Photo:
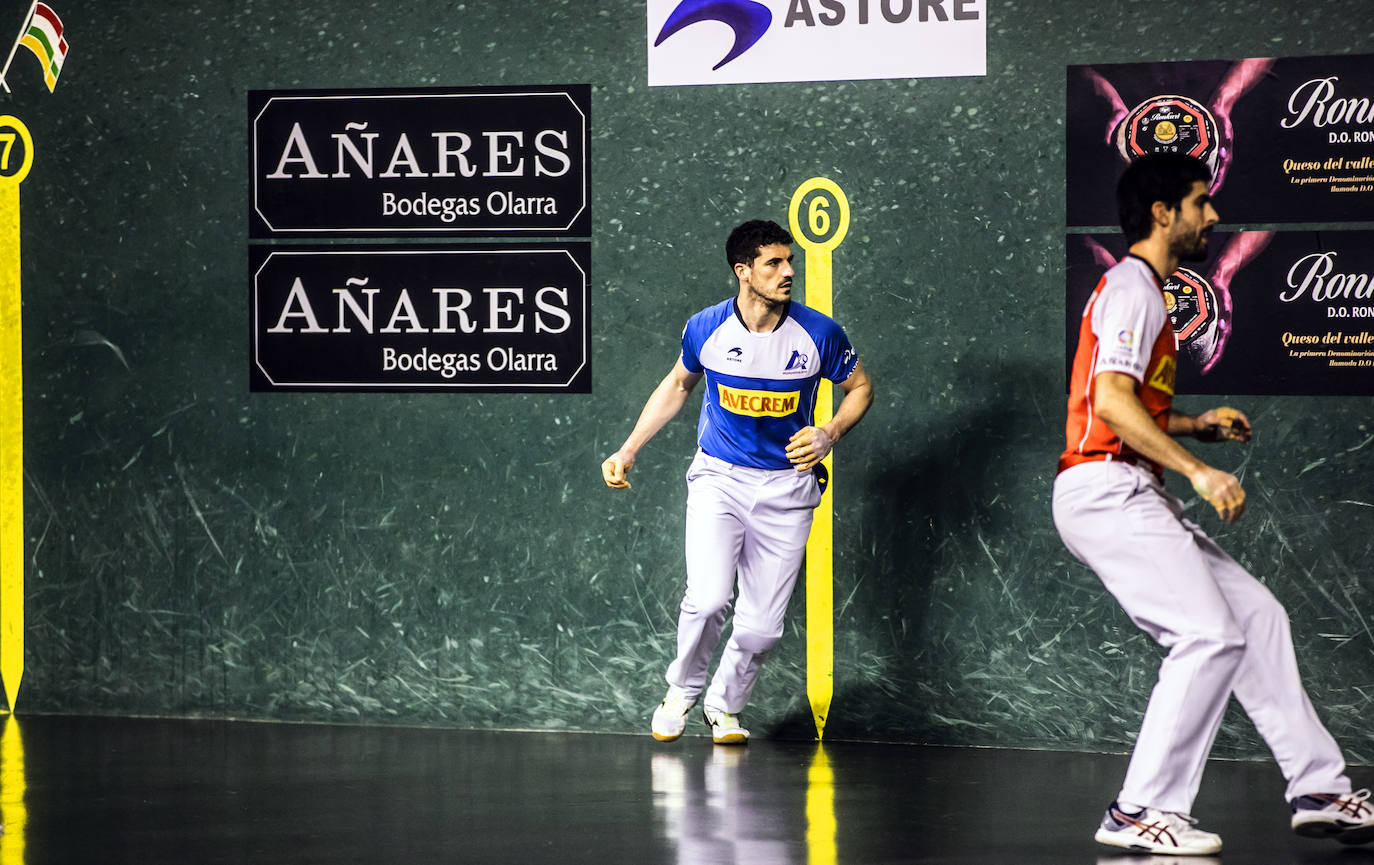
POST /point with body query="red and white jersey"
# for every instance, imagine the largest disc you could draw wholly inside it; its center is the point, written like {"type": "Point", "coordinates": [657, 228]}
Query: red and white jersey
{"type": "Point", "coordinates": [1125, 329]}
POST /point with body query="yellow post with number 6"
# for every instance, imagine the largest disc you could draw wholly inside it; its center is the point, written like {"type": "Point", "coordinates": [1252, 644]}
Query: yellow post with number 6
{"type": "Point", "coordinates": [819, 219]}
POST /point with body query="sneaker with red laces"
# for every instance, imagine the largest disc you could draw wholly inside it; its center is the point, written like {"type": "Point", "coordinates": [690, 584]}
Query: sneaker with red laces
{"type": "Point", "coordinates": [1349, 817]}
{"type": "Point", "coordinates": [1153, 831]}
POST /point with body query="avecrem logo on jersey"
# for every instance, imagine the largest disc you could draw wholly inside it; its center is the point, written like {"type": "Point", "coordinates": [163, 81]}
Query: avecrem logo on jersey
{"type": "Point", "coordinates": [758, 403]}
{"type": "Point", "coordinates": [749, 41]}
{"type": "Point", "coordinates": [491, 318]}
{"type": "Point", "coordinates": [428, 161]}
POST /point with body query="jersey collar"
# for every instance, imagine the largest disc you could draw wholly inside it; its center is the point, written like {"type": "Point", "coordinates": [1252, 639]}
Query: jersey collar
{"type": "Point", "coordinates": [787, 308]}
{"type": "Point", "coordinates": [1150, 267]}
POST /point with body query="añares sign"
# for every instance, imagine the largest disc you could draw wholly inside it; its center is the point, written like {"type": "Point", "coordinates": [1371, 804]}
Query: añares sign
{"type": "Point", "coordinates": [489, 318]}
{"type": "Point", "coordinates": [470, 161]}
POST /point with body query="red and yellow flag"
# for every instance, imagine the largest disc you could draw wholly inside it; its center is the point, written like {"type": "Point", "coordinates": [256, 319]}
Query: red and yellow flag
{"type": "Point", "coordinates": [44, 38]}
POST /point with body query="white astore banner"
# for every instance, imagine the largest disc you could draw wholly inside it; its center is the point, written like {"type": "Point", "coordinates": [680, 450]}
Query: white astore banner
{"type": "Point", "coordinates": [755, 41]}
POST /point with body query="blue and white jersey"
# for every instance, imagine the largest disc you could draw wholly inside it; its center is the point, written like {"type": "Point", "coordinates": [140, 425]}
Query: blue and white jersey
{"type": "Point", "coordinates": [761, 387]}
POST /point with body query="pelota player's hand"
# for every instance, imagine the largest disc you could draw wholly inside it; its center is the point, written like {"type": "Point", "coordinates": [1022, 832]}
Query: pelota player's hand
{"type": "Point", "coordinates": [808, 446]}
{"type": "Point", "coordinates": [1223, 424]}
{"type": "Point", "coordinates": [615, 468]}
{"type": "Point", "coordinates": [1222, 491]}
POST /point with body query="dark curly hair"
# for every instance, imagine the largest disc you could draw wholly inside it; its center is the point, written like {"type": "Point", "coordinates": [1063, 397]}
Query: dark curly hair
{"type": "Point", "coordinates": [1165, 177]}
{"type": "Point", "coordinates": [744, 243]}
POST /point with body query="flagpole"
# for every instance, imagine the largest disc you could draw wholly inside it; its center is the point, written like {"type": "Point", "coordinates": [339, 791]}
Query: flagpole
{"type": "Point", "coordinates": [33, 7]}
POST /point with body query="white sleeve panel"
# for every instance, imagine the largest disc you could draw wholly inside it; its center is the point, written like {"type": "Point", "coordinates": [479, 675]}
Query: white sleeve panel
{"type": "Point", "coordinates": [1126, 320]}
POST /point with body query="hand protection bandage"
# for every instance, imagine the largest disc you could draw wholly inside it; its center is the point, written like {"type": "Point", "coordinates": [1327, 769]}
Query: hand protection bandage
{"type": "Point", "coordinates": [1230, 426]}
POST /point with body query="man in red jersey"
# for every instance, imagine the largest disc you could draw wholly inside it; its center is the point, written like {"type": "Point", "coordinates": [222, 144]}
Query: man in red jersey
{"type": "Point", "coordinates": [1224, 631]}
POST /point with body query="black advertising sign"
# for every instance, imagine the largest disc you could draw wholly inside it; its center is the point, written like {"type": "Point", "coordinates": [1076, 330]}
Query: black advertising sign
{"type": "Point", "coordinates": [1268, 313]}
{"type": "Point", "coordinates": [477, 318]}
{"type": "Point", "coordinates": [1289, 139]}
{"type": "Point", "coordinates": [454, 161]}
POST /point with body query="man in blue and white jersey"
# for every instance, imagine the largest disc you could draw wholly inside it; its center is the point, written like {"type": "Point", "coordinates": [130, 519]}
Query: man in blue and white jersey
{"type": "Point", "coordinates": [753, 486]}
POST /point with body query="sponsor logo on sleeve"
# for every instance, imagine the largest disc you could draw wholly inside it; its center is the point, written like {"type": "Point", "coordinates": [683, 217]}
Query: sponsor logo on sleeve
{"type": "Point", "coordinates": [1163, 377]}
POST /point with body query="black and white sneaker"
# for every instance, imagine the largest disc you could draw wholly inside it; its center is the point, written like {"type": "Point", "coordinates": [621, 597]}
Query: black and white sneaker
{"type": "Point", "coordinates": [1348, 818]}
{"type": "Point", "coordinates": [725, 727]}
{"type": "Point", "coordinates": [1153, 831]}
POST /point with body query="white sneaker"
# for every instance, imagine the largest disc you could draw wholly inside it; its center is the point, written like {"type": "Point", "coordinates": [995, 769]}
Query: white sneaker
{"type": "Point", "coordinates": [1155, 831]}
{"type": "Point", "coordinates": [1349, 818]}
{"type": "Point", "coordinates": [725, 728]}
{"type": "Point", "coordinates": [670, 718]}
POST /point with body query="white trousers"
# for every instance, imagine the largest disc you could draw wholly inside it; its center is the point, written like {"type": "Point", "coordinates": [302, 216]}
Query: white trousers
{"type": "Point", "coordinates": [751, 524]}
{"type": "Point", "coordinates": [1224, 631]}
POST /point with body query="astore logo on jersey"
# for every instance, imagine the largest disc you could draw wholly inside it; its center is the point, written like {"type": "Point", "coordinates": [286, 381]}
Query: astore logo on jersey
{"type": "Point", "coordinates": [735, 354]}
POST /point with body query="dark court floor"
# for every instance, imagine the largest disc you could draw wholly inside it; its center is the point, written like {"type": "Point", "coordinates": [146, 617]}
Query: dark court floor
{"type": "Point", "coordinates": [108, 791]}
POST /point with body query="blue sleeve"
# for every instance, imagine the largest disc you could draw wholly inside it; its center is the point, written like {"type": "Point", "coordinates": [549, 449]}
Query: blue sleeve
{"type": "Point", "coordinates": [691, 341]}
{"type": "Point", "coordinates": [838, 357]}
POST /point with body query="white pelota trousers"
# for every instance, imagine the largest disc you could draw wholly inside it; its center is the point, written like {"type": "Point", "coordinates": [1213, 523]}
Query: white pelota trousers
{"type": "Point", "coordinates": [1224, 631]}
{"type": "Point", "coordinates": [751, 524]}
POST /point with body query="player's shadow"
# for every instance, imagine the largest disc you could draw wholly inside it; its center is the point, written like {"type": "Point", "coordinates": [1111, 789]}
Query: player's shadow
{"type": "Point", "coordinates": [924, 517]}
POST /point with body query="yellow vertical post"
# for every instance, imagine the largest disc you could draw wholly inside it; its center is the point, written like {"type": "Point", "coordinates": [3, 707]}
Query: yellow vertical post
{"type": "Point", "coordinates": [16, 157]}
{"type": "Point", "coordinates": [819, 231]}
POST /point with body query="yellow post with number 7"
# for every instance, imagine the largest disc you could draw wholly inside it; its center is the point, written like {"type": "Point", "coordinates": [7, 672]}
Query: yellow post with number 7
{"type": "Point", "coordinates": [16, 158]}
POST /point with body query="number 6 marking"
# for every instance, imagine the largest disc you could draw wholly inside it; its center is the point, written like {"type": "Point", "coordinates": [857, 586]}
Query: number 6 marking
{"type": "Point", "coordinates": [820, 222]}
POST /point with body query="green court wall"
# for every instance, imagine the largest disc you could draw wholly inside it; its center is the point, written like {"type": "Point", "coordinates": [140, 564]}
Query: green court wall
{"type": "Point", "coordinates": [194, 549]}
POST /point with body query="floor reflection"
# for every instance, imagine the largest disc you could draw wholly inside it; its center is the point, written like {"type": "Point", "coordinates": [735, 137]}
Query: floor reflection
{"type": "Point", "coordinates": [820, 811]}
{"type": "Point", "coordinates": [716, 806]}
{"type": "Point", "coordinates": [1126, 857]}
{"type": "Point", "coordinates": [13, 784]}
{"type": "Point", "coordinates": [78, 791]}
